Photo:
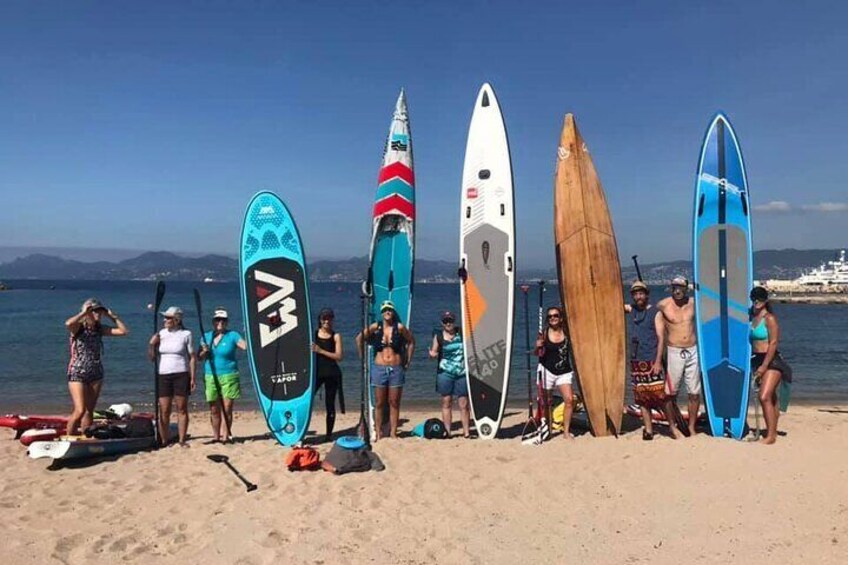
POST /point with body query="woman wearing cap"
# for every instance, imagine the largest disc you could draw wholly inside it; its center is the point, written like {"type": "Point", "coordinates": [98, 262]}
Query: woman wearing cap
{"type": "Point", "coordinates": [85, 369]}
{"type": "Point", "coordinates": [221, 373]}
{"type": "Point", "coordinates": [767, 366]}
{"type": "Point", "coordinates": [177, 364]}
{"type": "Point", "coordinates": [450, 373]}
{"type": "Point", "coordinates": [553, 350]}
{"type": "Point", "coordinates": [328, 352]}
{"type": "Point", "coordinates": [393, 347]}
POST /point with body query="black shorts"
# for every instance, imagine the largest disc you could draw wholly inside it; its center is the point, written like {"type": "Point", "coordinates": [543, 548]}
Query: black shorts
{"type": "Point", "coordinates": [174, 384]}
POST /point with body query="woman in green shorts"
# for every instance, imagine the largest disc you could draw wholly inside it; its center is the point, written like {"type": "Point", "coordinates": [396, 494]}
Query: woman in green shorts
{"type": "Point", "coordinates": [221, 364]}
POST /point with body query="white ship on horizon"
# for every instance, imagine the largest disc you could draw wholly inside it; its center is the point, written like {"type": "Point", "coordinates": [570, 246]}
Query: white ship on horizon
{"type": "Point", "coordinates": [828, 273]}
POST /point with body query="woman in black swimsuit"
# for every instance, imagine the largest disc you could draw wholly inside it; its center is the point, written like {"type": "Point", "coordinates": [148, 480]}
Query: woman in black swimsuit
{"type": "Point", "coordinates": [328, 352]}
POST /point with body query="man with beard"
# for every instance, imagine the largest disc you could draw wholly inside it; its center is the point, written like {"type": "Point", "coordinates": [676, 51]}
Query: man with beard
{"type": "Point", "coordinates": [647, 334]}
{"type": "Point", "coordinates": [678, 314]}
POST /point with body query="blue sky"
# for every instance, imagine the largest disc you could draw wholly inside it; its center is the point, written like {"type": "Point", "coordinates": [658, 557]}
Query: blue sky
{"type": "Point", "coordinates": [150, 125]}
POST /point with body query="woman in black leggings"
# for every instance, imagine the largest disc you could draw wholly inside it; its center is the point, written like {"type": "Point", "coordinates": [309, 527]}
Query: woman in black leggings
{"type": "Point", "coordinates": [328, 352]}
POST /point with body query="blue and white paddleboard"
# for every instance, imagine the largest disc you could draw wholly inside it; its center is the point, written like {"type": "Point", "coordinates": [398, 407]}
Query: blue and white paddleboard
{"type": "Point", "coordinates": [723, 264]}
{"type": "Point", "coordinates": [392, 250]}
{"type": "Point", "coordinates": [278, 324]}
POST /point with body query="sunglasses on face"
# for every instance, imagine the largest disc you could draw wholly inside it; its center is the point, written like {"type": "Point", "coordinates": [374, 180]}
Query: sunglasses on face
{"type": "Point", "coordinates": [553, 316]}
{"type": "Point", "coordinates": [168, 317]}
{"type": "Point", "coordinates": [326, 319]}
{"type": "Point", "coordinates": [448, 321]}
{"type": "Point", "coordinates": [216, 320]}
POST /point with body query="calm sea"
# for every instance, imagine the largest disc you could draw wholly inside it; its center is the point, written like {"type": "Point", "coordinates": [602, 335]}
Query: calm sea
{"type": "Point", "coordinates": [34, 344]}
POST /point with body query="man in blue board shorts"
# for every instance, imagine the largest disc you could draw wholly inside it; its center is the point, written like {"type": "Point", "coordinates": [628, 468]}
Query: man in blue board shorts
{"type": "Point", "coordinates": [678, 313]}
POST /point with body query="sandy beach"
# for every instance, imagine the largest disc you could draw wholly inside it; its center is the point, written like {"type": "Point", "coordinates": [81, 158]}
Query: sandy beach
{"type": "Point", "coordinates": [589, 500]}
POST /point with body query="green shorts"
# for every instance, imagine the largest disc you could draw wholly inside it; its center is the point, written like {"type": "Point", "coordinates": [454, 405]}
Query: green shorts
{"type": "Point", "coordinates": [230, 387]}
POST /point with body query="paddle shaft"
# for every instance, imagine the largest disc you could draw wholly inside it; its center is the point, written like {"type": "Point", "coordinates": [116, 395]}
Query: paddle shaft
{"type": "Point", "coordinates": [638, 270]}
{"type": "Point", "coordinates": [157, 303]}
{"type": "Point", "coordinates": [199, 307]}
{"type": "Point", "coordinates": [250, 486]}
{"type": "Point", "coordinates": [364, 428]}
{"type": "Point", "coordinates": [525, 289]}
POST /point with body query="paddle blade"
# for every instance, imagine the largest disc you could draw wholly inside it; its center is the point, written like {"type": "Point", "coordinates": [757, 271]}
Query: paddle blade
{"type": "Point", "coordinates": [217, 458]}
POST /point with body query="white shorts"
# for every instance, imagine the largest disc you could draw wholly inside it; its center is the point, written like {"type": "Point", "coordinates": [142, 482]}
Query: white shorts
{"type": "Point", "coordinates": [683, 366]}
{"type": "Point", "coordinates": [551, 381]}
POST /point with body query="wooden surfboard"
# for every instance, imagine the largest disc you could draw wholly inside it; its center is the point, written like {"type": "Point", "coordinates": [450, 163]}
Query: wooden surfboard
{"type": "Point", "coordinates": [589, 281]}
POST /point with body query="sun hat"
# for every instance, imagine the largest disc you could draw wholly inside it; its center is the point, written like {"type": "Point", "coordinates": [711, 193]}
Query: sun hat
{"type": "Point", "coordinates": [173, 312]}
{"type": "Point", "coordinates": [638, 285]}
{"type": "Point", "coordinates": [94, 304]}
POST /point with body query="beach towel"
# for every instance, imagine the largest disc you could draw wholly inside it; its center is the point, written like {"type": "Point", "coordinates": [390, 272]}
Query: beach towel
{"type": "Point", "coordinates": [648, 389]}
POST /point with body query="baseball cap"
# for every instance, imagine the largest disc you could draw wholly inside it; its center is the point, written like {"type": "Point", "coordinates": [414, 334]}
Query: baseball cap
{"type": "Point", "coordinates": [387, 305]}
{"type": "Point", "coordinates": [759, 293]}
{"type": "Point", "coordinates": [173, 312]}
{"type": "Point", "coordinates": [448, 315]}
{"type": "Point", "coordinates": [679, 280]}
{"type": "Point", "coordinates": [220, 313]}
{"type": "Point", "coordinates": [638, 285]}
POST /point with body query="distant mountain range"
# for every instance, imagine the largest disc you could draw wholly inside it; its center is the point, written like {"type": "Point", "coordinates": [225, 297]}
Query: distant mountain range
{"type": "Point", "coordinates": [770, 264]}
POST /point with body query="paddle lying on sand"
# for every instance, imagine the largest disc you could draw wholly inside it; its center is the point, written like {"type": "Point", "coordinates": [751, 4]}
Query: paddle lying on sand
{"type": "Point", "coordinates": [199, 307]}
{"type": "Point", "coordinates": [160, 295]}
{"type": "Point", "coordinates": [216, 458]}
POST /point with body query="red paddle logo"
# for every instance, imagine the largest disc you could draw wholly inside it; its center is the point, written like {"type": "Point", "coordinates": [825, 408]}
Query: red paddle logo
{"type": "Point", "coordinates": [275, 295]}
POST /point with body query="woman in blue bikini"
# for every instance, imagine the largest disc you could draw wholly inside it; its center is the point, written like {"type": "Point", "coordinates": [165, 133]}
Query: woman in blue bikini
{"type": "Point", "coordinates": [767, 366]}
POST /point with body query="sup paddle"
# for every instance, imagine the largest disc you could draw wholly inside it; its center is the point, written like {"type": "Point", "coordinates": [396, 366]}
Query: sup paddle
{"type": "Point", "coordinates": [530, 427]}
{"type": "Point", "coordinates": [364, 428]}
{"type": "Point", "coordinates": [160, 295]}
{"type": "Point", "coordinates": [209, 346]}
{"type": "Point", "coordinates": [638, 270]}
{"type": "Point", "coordinates": [755, 390]}
{"type": "Point", "coordinates": [544, 431]}
{"type": "Point", "coordinates": [216, 458]}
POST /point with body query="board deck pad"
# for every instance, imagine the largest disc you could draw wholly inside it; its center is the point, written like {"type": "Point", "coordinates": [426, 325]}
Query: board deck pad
{"type": "Point", "coordinates": [487, 257]}
{"type": "Point", "coordinates": [392, 251]}
{"type": "Point", "coordinates": [590, 281]}
{"type": "Point", "coordinates": [275, 302]}
{"type": "Point", "coordinates": [723, 259]}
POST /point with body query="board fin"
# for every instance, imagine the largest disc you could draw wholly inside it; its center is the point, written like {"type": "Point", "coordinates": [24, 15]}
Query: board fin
{"type": "Point", "coordinates": [485, 102]}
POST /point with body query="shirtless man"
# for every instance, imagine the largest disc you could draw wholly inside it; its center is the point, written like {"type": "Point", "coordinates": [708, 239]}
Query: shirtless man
{"type": "Point", "coordinates": [678, 312]}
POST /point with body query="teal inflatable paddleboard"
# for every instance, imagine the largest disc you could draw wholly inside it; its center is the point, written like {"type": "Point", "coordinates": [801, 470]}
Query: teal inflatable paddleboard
{"type": "Point", "coordinates": [275, 303]}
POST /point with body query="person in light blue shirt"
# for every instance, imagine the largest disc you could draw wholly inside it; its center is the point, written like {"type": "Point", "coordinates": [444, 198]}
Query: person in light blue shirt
{"type": "Point", "coordinates": [218, 350]}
